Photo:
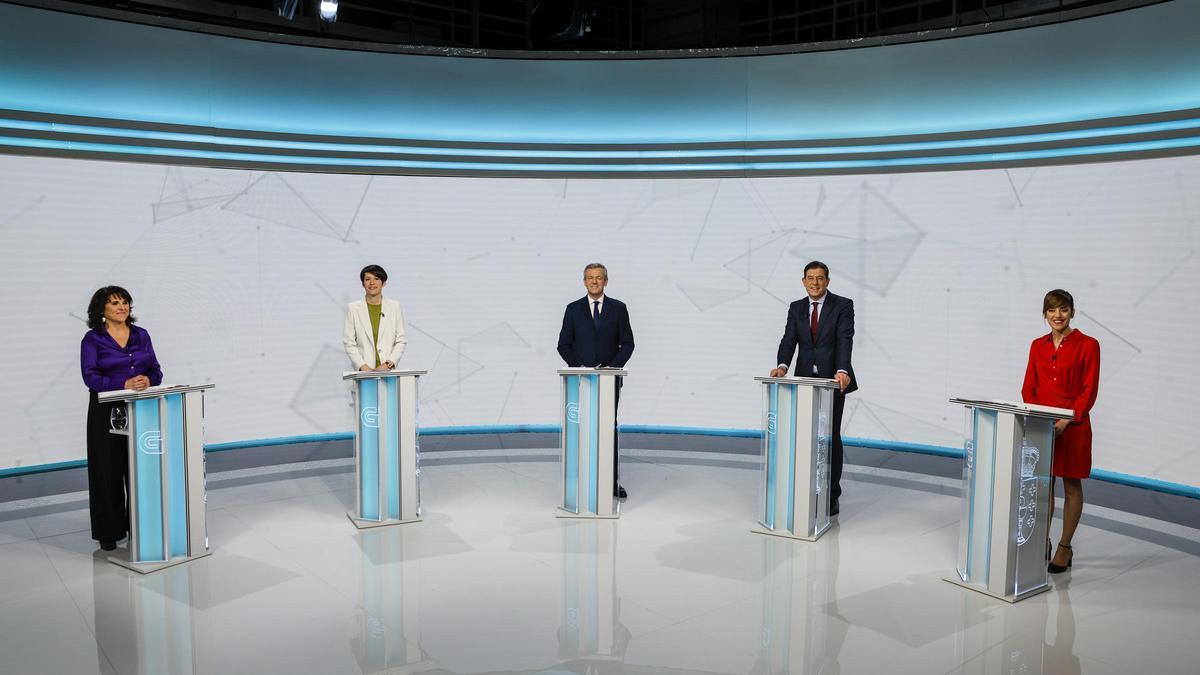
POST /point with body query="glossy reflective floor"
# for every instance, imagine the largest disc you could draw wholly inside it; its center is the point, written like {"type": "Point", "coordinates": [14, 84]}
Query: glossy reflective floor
{"type": "Point", "coordinates": [491, 581]}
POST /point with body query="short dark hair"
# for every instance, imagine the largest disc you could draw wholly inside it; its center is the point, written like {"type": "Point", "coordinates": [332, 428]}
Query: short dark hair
{"type": "Point", "coordinates": [817, 264]}
{"type": "Point", "coordinates": [95, 311]}
{"type": "Point", "coordinates": [1057, 298]}
{"type": "Point", "coordinates": [378, 271]}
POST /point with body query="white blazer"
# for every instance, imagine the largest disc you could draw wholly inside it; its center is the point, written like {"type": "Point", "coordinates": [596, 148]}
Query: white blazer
{"type": "Point", "coordinates": [356, 336]}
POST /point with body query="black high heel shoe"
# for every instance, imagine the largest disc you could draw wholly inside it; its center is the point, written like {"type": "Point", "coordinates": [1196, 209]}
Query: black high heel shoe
{"type": "Point", "coordinates": [1056, 569]}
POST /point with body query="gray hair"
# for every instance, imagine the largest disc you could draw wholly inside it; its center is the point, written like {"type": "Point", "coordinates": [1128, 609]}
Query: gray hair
{"type": "Point", "coordinates": [596, 266]}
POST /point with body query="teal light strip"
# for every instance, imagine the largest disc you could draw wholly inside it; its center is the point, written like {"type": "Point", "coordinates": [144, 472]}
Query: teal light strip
{"type": "Point", "coordinates": [615, 169]}
{"type": "Point", "coordinates": [1141, 482]}
{"type": "Point", "coordinates": [233, 139]}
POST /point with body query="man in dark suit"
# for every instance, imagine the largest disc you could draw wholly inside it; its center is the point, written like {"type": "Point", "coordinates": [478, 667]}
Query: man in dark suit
{"type": "Point", "coordinates": [822, 327]}
{"type": "Point", "coordinates": [596, 333]}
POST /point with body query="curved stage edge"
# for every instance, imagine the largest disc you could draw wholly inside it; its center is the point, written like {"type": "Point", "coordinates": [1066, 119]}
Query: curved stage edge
{"type": "Point", "coordinates": [1162, 500]}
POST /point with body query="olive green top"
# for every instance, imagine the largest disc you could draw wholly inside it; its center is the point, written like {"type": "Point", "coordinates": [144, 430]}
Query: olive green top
{"type": "Point", "coordinates": [375, 311]}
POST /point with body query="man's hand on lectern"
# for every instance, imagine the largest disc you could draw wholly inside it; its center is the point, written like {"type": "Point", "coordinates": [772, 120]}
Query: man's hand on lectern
{"type": "Point", "coordinates": [779, 372]}
{"type": "Point", "coordinates": [843, 380]}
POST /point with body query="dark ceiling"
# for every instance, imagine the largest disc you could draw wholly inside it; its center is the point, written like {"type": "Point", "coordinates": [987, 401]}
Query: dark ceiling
{"type": "Point", "coordinates": [596, 24]}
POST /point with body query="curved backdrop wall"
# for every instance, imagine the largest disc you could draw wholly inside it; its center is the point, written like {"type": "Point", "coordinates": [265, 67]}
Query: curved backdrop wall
{"type": "Point", "coordinates": [241, 270]}
{"type": "Point", "coordinates": [1120, 85]}
{"type": "Point", "coordinates": [242, 277]}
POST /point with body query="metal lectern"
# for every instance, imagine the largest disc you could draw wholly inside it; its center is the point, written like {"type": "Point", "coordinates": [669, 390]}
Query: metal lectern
{"type": "Point", "coordinates": [796, 444]}
{"type": "Point", "coordinates": [588, 441]}
{"type": "Point", "coordinates": [386, 448]}
{"type": "Point", "coordinates": [1007, 455]}
{"type": "Point", "coordinates": [167, 500]}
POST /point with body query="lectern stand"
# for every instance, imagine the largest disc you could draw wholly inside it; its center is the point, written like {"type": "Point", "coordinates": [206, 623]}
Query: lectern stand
{"type": "Point", "coordinates": [588, 441]}
{"type": "Point", "coordinates": [385, 447]}
{"type": "Point", "coordinates": [797, 440]}
{"type": "Point", "coordinates": [165, 428]}
{"type": "Point", "coordinates": [1007, 456]}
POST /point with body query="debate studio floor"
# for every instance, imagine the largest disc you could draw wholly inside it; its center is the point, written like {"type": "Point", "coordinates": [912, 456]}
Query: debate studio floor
{"type": "Point", "coordinates": [492, 582]}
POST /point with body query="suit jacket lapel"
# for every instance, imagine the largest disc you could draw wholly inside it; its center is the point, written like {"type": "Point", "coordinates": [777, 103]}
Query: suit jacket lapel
{"type": "Point", "coordinates": [364, 319]}
{"type": "Point", "coordinates": [822, 325]}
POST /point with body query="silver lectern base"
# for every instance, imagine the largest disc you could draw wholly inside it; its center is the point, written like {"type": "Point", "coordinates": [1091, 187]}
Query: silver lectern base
{"type": "Point", "coordinates": [149, 567]}
{"type": "Point", "coordinates": [980, 588]}
{"type": "Point", "coordinates": [367, 524]}
{"type": "Point", "coordinates": [560, 512]}
{"type": "Point", "coordinates": [788, 535]}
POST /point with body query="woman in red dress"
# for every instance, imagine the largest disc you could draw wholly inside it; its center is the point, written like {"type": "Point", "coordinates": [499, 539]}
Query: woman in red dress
{"type": "Point", "coordinates": [1064, 372]}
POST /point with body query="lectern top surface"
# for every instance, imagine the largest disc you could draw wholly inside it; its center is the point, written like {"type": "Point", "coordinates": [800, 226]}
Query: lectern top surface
{"type": "Point", "coordinates": [618, 372]}
{"type": "Point", "coordinates": [807, 381]}
{"type": "Point", "coordinates": [150, 392]}
{"type": "Point", "coordinates": [1029, 409]}
{"type": "Point", "coordinates": [368, 374]}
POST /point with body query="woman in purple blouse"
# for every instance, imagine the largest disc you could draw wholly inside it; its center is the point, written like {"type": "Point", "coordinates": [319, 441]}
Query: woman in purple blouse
{"type": "Point", "coordinates": [114, 354]}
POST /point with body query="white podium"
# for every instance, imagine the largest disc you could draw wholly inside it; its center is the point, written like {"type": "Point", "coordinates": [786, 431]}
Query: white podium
{"type": "Point", "coordinates": [588, 441]}
{"type": "Point", "coordinates": [165, 428]}
{"type": "Point", "coordinates": [386, 450]}
{"type": "Point", "coordinates": [796, 445]}
{"type": "Point", "coordinates": [1008, 452]}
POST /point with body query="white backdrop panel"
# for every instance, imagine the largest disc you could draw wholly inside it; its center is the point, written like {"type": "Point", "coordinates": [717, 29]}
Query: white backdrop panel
{"type": "Point", "coordinates": [242, 278]}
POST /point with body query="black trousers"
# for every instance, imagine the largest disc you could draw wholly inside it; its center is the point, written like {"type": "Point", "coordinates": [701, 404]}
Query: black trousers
{"type": "Point", "coordinates": [835, 455]}
{"type": "Point", "coordinates": [616, 436]}
{"type": "Point", "coordinates": [108, 474]}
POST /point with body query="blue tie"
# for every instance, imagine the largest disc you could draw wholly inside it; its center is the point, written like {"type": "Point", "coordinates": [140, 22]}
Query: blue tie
{"type": "Point", "coordinates": [596, 312]}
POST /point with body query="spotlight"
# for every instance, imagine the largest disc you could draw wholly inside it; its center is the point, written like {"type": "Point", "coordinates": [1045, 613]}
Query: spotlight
{"type": "Point", "coordinates": [329, 10]}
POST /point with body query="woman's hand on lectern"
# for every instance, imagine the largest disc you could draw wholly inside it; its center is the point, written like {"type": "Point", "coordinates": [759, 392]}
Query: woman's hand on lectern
{"type": "Point", "coordinates": [1060, 426]}
{"type": "Point", "coordinates": [137, 382]}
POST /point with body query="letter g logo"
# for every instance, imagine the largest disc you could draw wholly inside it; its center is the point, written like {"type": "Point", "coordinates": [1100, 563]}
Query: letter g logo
{"type": "Point", "coordinates": [370, 417]}
{"type": "Point", "coordinates": [150, 442]}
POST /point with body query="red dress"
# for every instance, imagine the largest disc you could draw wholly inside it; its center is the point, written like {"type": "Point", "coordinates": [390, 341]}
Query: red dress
{"type": "Point", "coordinates": [1067, 377]}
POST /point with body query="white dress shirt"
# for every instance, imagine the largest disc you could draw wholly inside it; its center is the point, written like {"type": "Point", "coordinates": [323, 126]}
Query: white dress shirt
{"type": "Point", "coordinates": [596, 310]}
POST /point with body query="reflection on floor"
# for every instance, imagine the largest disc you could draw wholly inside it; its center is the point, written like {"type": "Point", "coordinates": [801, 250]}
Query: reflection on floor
{"type": "Point", "coordinates": [491, 581]}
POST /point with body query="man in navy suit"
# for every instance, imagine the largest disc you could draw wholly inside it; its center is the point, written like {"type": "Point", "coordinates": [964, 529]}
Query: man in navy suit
{"type": "Point", "coordinates": [596, 333]}
{"type": "Point", "coordinates": [822, 327]}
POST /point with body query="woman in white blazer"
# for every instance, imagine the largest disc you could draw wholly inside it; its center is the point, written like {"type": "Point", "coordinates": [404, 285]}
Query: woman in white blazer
{"type": "Point", "coordinates": [374, 332]}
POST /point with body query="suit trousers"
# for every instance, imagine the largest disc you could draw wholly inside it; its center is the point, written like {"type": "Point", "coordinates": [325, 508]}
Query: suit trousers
{"type": "Point", "coordinates": [108, 474]}
{"type": "Point", "coordinates": [616, 436]}
{"type": "Point", "coordinates": [835, 455]}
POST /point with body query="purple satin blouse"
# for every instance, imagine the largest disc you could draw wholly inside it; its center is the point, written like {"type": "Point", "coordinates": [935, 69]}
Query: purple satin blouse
{"type": "Point", "coordinates": [106, 366]}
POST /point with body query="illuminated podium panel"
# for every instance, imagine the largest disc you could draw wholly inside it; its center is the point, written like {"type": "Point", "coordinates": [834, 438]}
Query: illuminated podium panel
{"type": "Point", "coordinates": [386, 448]}
{"type": "Point", "coordinates": [1007, 454]}
{"type": "Point", "coordinates": [796, 445]}
{"type": "Point", "coordinates": [588, 441]}
{"type": "Point", "coordinates": [167, 501]}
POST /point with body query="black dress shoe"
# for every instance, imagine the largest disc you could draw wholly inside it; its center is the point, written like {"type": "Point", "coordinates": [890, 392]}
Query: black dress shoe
{"type": "Point", "coordinates": [1057, 569]}
{"type": "Point", "coordinates": [620, 493]}
{"type": "Point", "coordinates": [834, 509]}
{"type": "Point", "coordinates": [108, 546]}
